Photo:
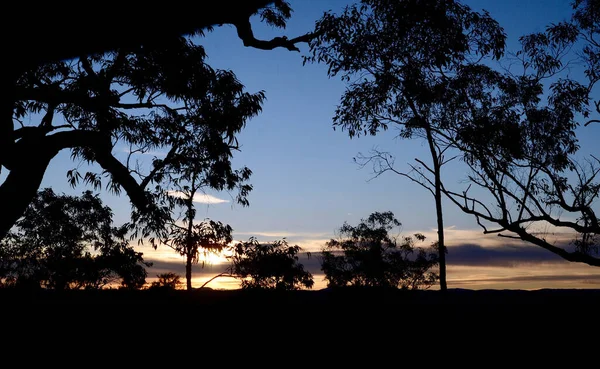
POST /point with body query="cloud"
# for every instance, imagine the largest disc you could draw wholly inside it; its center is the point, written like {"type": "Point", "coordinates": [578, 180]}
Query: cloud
{"type": "Point", "coordinates": [475, 261]}
{"type": "Point", "coordinates": [584, 279]}
{"type": "Point", "coordinates": [521, 269]}
{"type": "Point", "coordinates": [286, 234]}
{"type": "Point", "coordinates": [530, 277]}
{"type": "Point", "coordinates": [308, 241]}
{"type": "Point", "coordinates": [201, 198]}
{"type": "Point", "coordinates": [273, 234]}
{"type": "Point", "coordinates": [165, 266]}
{"type": "Point", "coordinates": [506, 256]}
{"type": "Point", "coordinates": [455, 236]}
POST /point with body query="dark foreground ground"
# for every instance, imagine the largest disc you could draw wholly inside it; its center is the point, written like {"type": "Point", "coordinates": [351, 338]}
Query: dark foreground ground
{"type": "Point", "coordinates": [300, 316]}
{"type": "Point", "coordinates": [319, 298]}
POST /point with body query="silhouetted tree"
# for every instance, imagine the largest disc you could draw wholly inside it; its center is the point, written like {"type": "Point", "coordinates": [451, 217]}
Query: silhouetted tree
{"type": "Point", "coordinates": [397, 57]}
{"type": "Point", "coordinates": [151, 93]}
{"type": "Point", "coordinates": [191, 239]}
{"type": "Point", "coordinates": [366, 255]}
{"type": "Point", "coordinates": [272, 265]}
{"type": "Point", "coordinates": [519, 139]}
{"type": "Point", "coordinates": [68, 242]}
{"type": "Point", "coordinates": [167, 281]}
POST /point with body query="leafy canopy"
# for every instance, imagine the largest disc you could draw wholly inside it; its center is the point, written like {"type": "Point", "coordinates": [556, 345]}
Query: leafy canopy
{"type": "Point", "coordinates": [69, 242]}
{"type": "Point", "coordinates": [367, 256]}
{"type": "Point", "coordinates": [269, 266]}
{"type": "Point", "coordinates": [396, 56]}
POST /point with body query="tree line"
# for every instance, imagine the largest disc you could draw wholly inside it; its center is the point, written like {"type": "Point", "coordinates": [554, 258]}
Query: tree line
{"type": "Point", "coordinates": [68, 242]}
{"type": "Point", "coordinates": [423, 66]}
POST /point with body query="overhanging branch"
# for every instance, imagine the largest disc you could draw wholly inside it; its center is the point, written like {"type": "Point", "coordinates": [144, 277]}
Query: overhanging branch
{"type": "Point", "coordinates": [133, 27]}
{"type": "Point", "coordinates": [575, 256]}
{"type": "Point", "coordinates": [103, 155]}
{"type": "Point", "coordinates": [245, 33]}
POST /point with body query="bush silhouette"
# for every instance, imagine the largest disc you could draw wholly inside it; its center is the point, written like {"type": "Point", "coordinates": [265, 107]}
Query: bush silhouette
{"type": "Point", "coordinates": [269, 266]}
{"type": "Point", "coordinates": [167, 281]}
{"type": "Point", "coordinates": [367, 256]}
{"type": "Point", "coordinates": [69, 242]}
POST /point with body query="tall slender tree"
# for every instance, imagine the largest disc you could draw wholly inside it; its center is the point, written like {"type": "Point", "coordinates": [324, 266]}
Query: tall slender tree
{"type": "Point", "coordinates": [398, 58]}
{"type": "Point", "coordinates": [194, 239]}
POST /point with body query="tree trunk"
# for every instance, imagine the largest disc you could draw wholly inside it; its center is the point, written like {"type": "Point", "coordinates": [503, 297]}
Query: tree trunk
{"type": "Point", "coordinates": [440, 225]}
{"type": "Point", "coordinates": [20, 187]}
{"type": "Point", "coordinates": [190, 248]}
{"type": "Point", "coordinates": [438, 208]}
{"type": "Point", "coordinates": [29, 158]}
{"type": "Point", "coordinates": [188, 272]}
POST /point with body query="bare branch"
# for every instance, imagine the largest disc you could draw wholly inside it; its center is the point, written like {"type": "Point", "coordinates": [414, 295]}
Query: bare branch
{"type": "Point", "coordinates": [126, 92]}
{"type": "Point", "coordinates": [418, 182]}
{"type": "Point", "coordinates": [224, 274]}
{"type": "Point", "coordinates": [424, 165]}
{"type": "Point", "coordinates": [591, 121]}
{"type": "Point", "coordinates": [509, 236]}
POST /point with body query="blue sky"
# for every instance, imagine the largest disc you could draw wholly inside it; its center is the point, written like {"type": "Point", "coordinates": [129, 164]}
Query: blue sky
{"type": "Point", "coordinates": [305, 181]}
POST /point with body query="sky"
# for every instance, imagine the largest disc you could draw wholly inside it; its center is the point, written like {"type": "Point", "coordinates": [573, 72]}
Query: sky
{"type": "Point", "coordinates": [306, 184]}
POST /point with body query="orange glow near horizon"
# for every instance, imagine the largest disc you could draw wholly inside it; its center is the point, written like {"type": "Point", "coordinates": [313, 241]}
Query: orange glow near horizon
{"type": "Point", "coordinates": [521, 275]}
{"type": "Point", "coordinates": [525, 277]}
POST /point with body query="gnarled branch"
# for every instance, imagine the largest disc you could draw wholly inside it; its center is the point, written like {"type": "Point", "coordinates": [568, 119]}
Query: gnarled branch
{"type": "Point", "coordinates": [244, 31]}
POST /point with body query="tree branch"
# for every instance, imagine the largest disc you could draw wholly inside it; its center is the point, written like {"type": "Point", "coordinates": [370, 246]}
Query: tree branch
{"type": "Point", "coordinates": [245, 33]}
{"type": "Point", "coordinates": [87, 66]}
{"type": "Point", "coordinates": [224, 274]}
{"type": "Point", "coordinates": [134, 28]}
{"type": "Point", "coordinates": [145, 105]}
{"type": "Point", "coordinates": [159, 167]}
{"type": "Point", "coordinates": [101, 147]}
{"type": "Point", "coordinates": [575, 256]}
{"type": "Point", "coordinates": [55, 96]}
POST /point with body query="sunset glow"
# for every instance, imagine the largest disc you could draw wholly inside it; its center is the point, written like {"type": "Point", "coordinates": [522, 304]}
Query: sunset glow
{"type": "Point", "coordinates": [330, 134]}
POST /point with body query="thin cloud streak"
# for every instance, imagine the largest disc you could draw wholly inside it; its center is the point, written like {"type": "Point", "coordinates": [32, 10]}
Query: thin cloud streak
{"type": "Point", "coordinates": [586, 279]}
{"type": "Point", "coordinates": [201, 198]}
{"type": "Point", "coordinates": [282, 234]}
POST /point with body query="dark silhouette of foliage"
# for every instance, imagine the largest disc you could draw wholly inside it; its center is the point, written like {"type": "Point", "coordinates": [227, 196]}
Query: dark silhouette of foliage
{"type": "Point", "coordinates": [195, 239]}
{"type": "Point", "coordinates": [192, 238]}
{"type": "Point", "coordinates": [136, 26]}
{"type": "Point", "coordinates": [67, 242]}
{"type": "Point", "coordinates": [519, 139]}
{"type": "Point", "coordinates": [149, 93]}
{"type": "Point", "coordinates": [167, 281]}
{"type": "Point", "coordinates": [399, 58]}
{"type": "Point", "coordinates": [367, 256]}
{"type": "Point", "coordinates": [272, 265]}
